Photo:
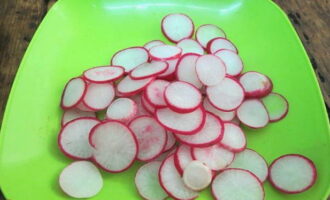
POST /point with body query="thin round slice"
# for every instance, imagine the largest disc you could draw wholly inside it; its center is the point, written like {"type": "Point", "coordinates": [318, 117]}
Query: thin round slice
{"type": "Point", "coordinates": [224, 116]}
{"type": "Point", "coordinates": [122, 109]}
{"type": "Point", "coordinates": [170, 142]}
{"type": "Point", "coordinates": [237, 184]}
{"type": "Point", "coordinates": [182, 97]}
{"type": "Point", "coordinates": [197, 176]}
{"type": "Point", "coordinates": [115, 146]}
{"type": "Point", "coordinates": [153, 43]}
{"type": "Point", "coordinates": [99, 96]}
{"type": "Point", "coordinates": [255, 84]}
{"type": "Point", "coordinates": [220, 43]}
{"type": "Point", "coordinates": [72, 114]}
{"type": "Point", "coordinates": [210, 70]}
{"type": "Point", "coordinates": [169, 73]}
{"type": "Point", "coordinates": [232, 61]}
{"type": "Point", "coordinates": [103, 74]}
{"type": "Point", "coordinates": [234, 138]}
{"type": "Point", "coordinates": [190, 46]}
{"type": "Point", "coordinates": [226, 96]}
{"type": "Point", "coordinates": [253, 113]}
{"type": "Point", "coordinates": [165, 52]}
{"type": "Point", "coordinates": [129, 87]}
{"type": "Point", "coordinates": [81, 179]}
{"type": "Point", "coordinates": [252, 161]}
{"type": "Point", "coordinates": [292, 173]}
{"type": "Point", "coordinates": [277, 106]}
{"type": "Point", "coordinates": [186, 70]}
{"type": "Point", "coordinates": [181, 123]}
{"type": "Point", "coordinates": [147, 70]}
{"type": "Point", "coordinates": [154, 93]}
{"type": "Point", "coordinates": [147, 182]}
{"type": "Point", "coordinates": [182, 157]}
{"type": "Point", "coordinates": [73, 138]}
{"type": "Point", "coordinates": [207, 32]}
{"type": "Point", "coordinates": [73, 93]}
{"type": "Point", "coordinates": [171, 181]}
{"type": "Point", "coordinates": [130, 58]}
{"type": "Point", "coordinates": [150, 135]}
{"type": "Point", "coordinates": [177, 26]}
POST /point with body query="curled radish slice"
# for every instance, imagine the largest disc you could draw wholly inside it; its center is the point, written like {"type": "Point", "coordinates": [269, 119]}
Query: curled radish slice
{"type": "Point", "coordinates": [81, 179]}
{"type": "Point", "coordinates": [292, 173]}
{"type": "Point", "coordinates": [255, 84]}
{"type": "Point", "coordinates": [234, 138]}
{"type": "Point", "coordinates": [181, 123]}
{"type": "Point", "coordinates": [115, 146]}
{"type": "Point", "coordinates": [210, 134]}
{"type": "Point", "coordinates": [210, 70]}
{"type": "Point", "coordinates": [224, 116]}
{"type": "Point", "coordinates": [190, 46]}
{"type": "Point", "coordinates": [72, 114]}
{"type": "Point", "coordinates": [251, 161]}
{"type": "Point", "coordinates": [182, 97]}
{"type": "Point", "coordinates": [207, 32]}
{"type": "Point", "coordinates": [253, 113]}
{"type": "Point", "coordinates": [99, 96]}
{"type": "Point", "coordinates": [168, 74]}
{"type": "Point", "coordinates": [147, 70]}
{"type": "Point", "coordinates": [73, 93]}
{"type": "Point", "coordinates": [165, 52]}
{"type": "Point", "coordinates": [220, 43]}
{"type": "Point", "coordinates": [122, 109]}
{"type": "Point", "coordinates": [197, 176]}
{"type": "Point", "coordinates": [182, 157]}
{"type": "Point", "coordinates": [150, 135]}
{"type": "Point", "coordinates": [185, 70]}
{"type": "Point", "coordinates": [153, 43]}
{"type": "Point", "coordinates": [73, 138]}
{"type": "Point", "coordinates": [170, 142]}
{"type": "Point", "coordinates": [176, 27]}
{"type": "Point", "coordinates": [226, 96]}
{"type": "Point", "coordinates": [130, 58]}
{"type": "Point", "coordinates": [146, 105]}
{"type": "Point", "coordinates": [140, 108]}
{"type": "Point", "coordinates": [237, 184]}
{"type": "Point", "coordinates": [154, 93]}
{"type": "Point", "coordinates": [171, 181]}
{"type": "Point", "coordinates": [147, 183]}
{"type": "Point", "coordinates": [277, 106]}
{"type": "Point", "coordinates": [103, 74]}
{"type": "Point", "coordinates": [129, 87]}
{"type": "Point", "coordinates": [233, 62]}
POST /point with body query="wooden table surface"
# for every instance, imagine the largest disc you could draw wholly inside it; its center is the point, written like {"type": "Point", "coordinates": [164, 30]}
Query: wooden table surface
{"type": "Point", "coordinates": [20, 18]}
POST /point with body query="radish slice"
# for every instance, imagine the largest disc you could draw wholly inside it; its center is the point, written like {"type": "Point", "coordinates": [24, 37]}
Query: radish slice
{"type": "Point", "coordinates": [220, 43]}
{"type": "Point", "coordinates": [130, 58]}
{"type": "Point", "coordinates": [150, 135]}
{"type": "Point", "coordinates": [292, 173]}
{"type": "Point", "coordinates": [122, 109]}
{"type": "Point", "coordinates": [182, 157]}
{"type": "Point", "coordinates": [72, 114]}
{"type": "Point", "coordinates": [73, 138]}
{"type": "Point", "coordinates": [253, 113]}
{"type": "Point", "coordinates": [210, 134]}
{"type": "Point", "coordinates": [197, 176]}
{"type": "Point", "coordinates": [147, 70]}
{"type": "Point", "coordinates": [251, 161]}
{"type": "Point", "coordinates": [170, 142]}
{"type": "Point", "coordinates": [233, 62]}
{"type": "Point", "coordinates": [277, 106]}
{"type": "Point", "coordinates": [153, 43]}
{"type": "Point", "coordinates": [140, 108]}
{"type": "Point", "coordinates": [115, 146]}
{"type": "Point", "coordinates": [255, 84]}
{"type": "Point", "coordinates": [181, 123]}
{"type": "Point", "coordinates": [237, 184]}
{"type": "Point", "coordinates": [165, 52]}
{"type": "Point", "coordinates": [146, 105]}
{"type": "Point", "coordinates": [182, 97]}
{"type": "Point", "coordinates": [147, 183]}
{"type": "Point", "coordinates": [164, 155]}
{"type": "Point", "coordinates": [103, 74]}
{"type": "Point", "coordinates": [81, 179]}
{"type": "Point", "coordinates": [234, 138]}
{"type": "Point", "coordinates": [171, 181]}
{"type": "Point", "coordinates": [224, 116]}
{"type": "Point", "coordinates": [185, 70]}
{"type": "Point", "coordinates": [190, 46]}
{"type": "Point", "coordinates": [210, 70]}
{"type": "Point", "coordinates": [215, 157]}
{"type": "Point", "coordinates": [176, 27]}
{"type": "Point", "coordinates": [130, 87]}
{"type": "Point", "coordinates": [99, 96]}
{"type": "Point", "coordinates": [207, 32]}
{"type": "Point", "coordinates": [170, 70]}
{"type": "Point", "coordinates": [154, 93]}
{"type": "Point", "coordinates": [227, 95]}
{"type": "Point", "coordinates": [81, 106]}
{"type": "Point", "coordinates": [73, 93]}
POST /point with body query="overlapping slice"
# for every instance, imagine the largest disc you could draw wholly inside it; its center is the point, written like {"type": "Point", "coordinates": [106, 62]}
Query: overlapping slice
{"type": "Point", "coordinates": [253, 113]}
{"type": "Point", "coordinates": [207, 32]}
{"type": "Point", "coordinates": [72, 114]}
{"type": "Point", "coordinates": [234, 138]}
{"type": "Point", "coordinates": [185, 70]}
{"type": "Point", "coordinates": [147, 70]}
{"type": "Point", "coordinates": [177, 27]}
{"type": "Point", "coordinates": [129, 87]}
{"type": "Point", "coordinates": [103, 74]}
{"type": "Point", "coordinates": [130, 58]}
{"type": "Point", "coordinates": [73, 93]}
{"type": "Point", "coordinates": [122, 109]}
{"type": "Point", "coordinates": [210, 70]}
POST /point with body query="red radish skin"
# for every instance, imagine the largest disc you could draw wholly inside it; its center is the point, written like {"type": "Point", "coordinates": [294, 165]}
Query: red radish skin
{"type": "Point", "coordinates": [176, 27]}
{"type": "Point", "coordinates": [130, 58]}
{"type": "Point", "coordinates": [170, 142]}
{"type": "Point", "coordinates": [103, 74]}
{"type": "Point", "coordinates": [182, 157]}
{"type": "Point", "coordinates": [234, 138]}
{"type": "Point", "coordinates": [292, 175]}
{"type": "Point", "coordinates": [72, 114]}
{"type": "Point", "coordinates": [256, 84]}
{"type": "Point", "coordinates": [224, 116]}
{"type": "Point", "coordinates": [153, 43]}
{"type": "Point", "coordinates": [169, 74]}
{"type": "Point", "coordinates": [274, 117]}
{"type": "Point", "coordinates": [122, 109]}
{"type": "Point", "coordinates": [210, 70]}
{"type": "Point", "coordinates": [220, 43]}
{"type": "Point", "coordinates": [147, 106]}
{"type": "Point", "coordinates": [253, 113]}
{"type": "Point", "coordinates": [147, 70]}
{"type": "Point", "coordinates": [154, 93]}
{"type": "Point", "coordinates": [207, 32]}
{"type": "Point", "coordinates": [73, 93]}
{"type": "Point", "coordinates": [190, 46]}
{"type": "Point", "coordinates": [232, 61]}
{"type": "Point", "coordinates": [104, 92]}
{"type": "Point", "coordinates": [197, 176]}
{"type": "Point", "coordinates": [130, 87]}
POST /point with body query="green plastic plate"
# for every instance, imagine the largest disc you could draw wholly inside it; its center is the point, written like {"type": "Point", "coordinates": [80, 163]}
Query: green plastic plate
{"type": "Point", "coordinates": [76, 35]}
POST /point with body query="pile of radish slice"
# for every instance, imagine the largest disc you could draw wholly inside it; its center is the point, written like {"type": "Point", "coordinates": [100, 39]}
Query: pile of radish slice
{"type": "Point", "coordinates": [178, 108]}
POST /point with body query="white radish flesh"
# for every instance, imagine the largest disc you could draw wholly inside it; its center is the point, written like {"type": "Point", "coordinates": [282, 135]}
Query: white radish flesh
{"type": "Point", "coordinates": [177, 27]}
{"type": "Point", "coordinates": [182, 157]}
{"type": "Point", "coordinates": [73, 93]}
{"type": "Point", "coordinates": [103, 74]}
{"type": "Point", "coordinates": [165, 52]}
{"type": "Point", "coordinates": [72, 114]}
{"type": "Point", "coordinates": [210, 70]}
{"type": "Point", "coordinates": [154, 93]}
{"type": "Point", "coordinates": [224, 116]}
{"type": "Point", "coordinates": [147, 70]}
{"type": "Point", "coordinates": [169, 73]}
{"type": "Point", "coordinates": [129, 87]}
{"type": "Point", "coordinates": [232, 61]}
{"type": "Point", "coordinates": [255, 84]}
{"type": "Point", "coordinates": [153, 43]}
{"type": "Point", "coordinates": [277, 106]}
{"type": "Point", "coordinates": [253, 113]}
{"type": "Point", "coordinates": [207, 32]}
{"type": "Point", "coordinates": [197, 176]}
{"type": "Point", "coordinates": [130, 58]}
{"type": "Point", "coordinates": [190, 46]}
{"type": "Point", "coordinates": [220, 43]}
{"type": "Point", "coordinates": [99, 96]}
{"type": "Point", "coordinates": [234, 138]}
{"type": "Point", "coordinates": [122, 109]}
{"type": "Point", "coordinates": [170, 142]}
